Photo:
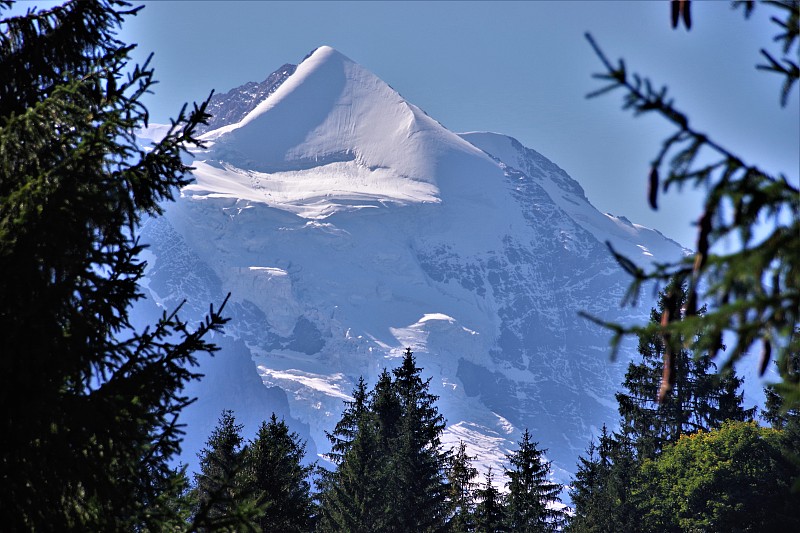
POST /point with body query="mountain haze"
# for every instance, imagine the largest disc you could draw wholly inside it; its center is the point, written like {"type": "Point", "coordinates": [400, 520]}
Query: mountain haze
{"type": "Point", "coordinates": [349, 225]}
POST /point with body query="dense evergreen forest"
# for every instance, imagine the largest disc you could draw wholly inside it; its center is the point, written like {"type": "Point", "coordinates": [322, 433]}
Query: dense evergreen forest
{"type": "Point", "coordinates": [696, 462]}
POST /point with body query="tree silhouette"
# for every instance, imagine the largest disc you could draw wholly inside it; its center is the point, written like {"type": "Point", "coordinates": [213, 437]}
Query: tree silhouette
{"type": "Point", "coordinates": [90, 403]}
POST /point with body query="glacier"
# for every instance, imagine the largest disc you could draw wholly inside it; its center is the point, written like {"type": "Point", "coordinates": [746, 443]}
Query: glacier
{"type": "Point", "coordinates": [347, 225]}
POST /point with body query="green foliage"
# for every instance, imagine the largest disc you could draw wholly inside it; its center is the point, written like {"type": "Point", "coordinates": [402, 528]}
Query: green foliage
{"type": "Point", "coordinates": [353, 497]}
{"type": "Point", "coordinates": [391, 467]}
{"type": "Point", "coordinates": [461, 491]}
{"type": "Point", "coordinates": [90, 403]}
{"type": "Point", "coordinates": [729, 479]}
{"type": "Point", "coordinates": [277, 478]}
{"type": "Point", "coordinates": [419, 461]}
{"type": "Point", "coordinates": [531, 495]}
{"type": "Point", "coordinates": [597, 495]}
{"type": "Point", "coordinates": [607, 491]}
{"type": "Point", "coordinates": [699, 398]}
{"type": "Point", "coordinates": [782, 411]}
{"type": "Point", "coordinates": [489, 512]}
{"type": "Point", "coordinates": [224, 499]}
{"type": "Point", "coordinates": [754, 291]}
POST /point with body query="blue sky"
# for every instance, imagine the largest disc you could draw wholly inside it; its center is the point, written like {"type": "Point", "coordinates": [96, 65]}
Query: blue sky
{"type": "Point", "coordinates": [519, 68]}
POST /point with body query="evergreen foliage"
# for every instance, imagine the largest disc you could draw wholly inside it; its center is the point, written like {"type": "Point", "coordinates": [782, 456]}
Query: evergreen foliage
{"type": "Point", "coordinates": [531, 495]}
{"type": "Point", "coordinates": [353, 496]}
{"type": "Point", "coordinates": [348, 427]}
{"type": "Point", "coordinates": [419, 461]}
{"type": "Point", "coordinates": [754, 291]}
{"type": "Point", "coordinates": [223, 500]}
{"type": "Point", "coordinates": [689, 463]}
{"type": "Point", "coordinates": [385, 404]}
{"type": "Point", "coordinates": [90, 403]}
{"type": "Point", "coordinates": [593, 492]}
{"type": "Point", "coordinates": [782, 411]}
{"type": "Point", "coordinates": [276, 476]}
{"type": "Point", "coordinates": [623, 473]}
{"type": "Point", "coordinates": [489, 511]}
{"type": "Point", "coordinates": [461, 492]}
{"type": "Point", "coordinates": [699, 399]}
{"type": "Point", "coordinates": [391, 465]}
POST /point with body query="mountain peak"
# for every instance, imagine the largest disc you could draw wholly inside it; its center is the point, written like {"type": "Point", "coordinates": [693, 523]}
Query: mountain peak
{"type": "Point", "coordinates": [324, 53]}
{"type": "Point", "coordinates": [475, 251]}
{"type": "Point", "coordinates": [352, 135]}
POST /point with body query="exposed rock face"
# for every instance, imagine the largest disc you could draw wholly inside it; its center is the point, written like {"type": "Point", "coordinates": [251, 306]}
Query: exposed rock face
{"type": "Point", "coordinates": [234, 105]}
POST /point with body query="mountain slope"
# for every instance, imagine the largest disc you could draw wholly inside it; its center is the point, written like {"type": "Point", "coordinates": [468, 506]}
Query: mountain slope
{"type": "Point", "coordinates": [348, 225]}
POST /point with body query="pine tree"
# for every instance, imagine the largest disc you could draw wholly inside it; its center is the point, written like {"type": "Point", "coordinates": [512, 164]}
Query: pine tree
{"type": "Point", "coordinates": [460, 476]}
{"type": "Point", "coordinates": [589, 491]}
{"type": "Point", "coordinates": [531, 495]}
{"type": "Point", "coordinates": [601, 489]}
{"type": "Point", "coordinates": [90, 403]}
{"type": "Point", "coordinates": [347, 429]}
{"type": "Point", "coordinates": [223, 501]}
{"type": "Point", "coordinates": [782, 410]}
{"type": "Point", "coordinates": [418, 460]}
{"type": "Point", "coordinates": [353, 496]}
{"type": "Point", "coordinates": [700, 398]}
{"type": "Point", "coordinates": [277, 478]}
{"type": "Point", "coordinates": [489, 512]}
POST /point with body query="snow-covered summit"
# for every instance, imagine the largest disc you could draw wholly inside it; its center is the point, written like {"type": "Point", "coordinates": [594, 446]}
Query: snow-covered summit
{"type": "Point", "coordinates": [349, 225]}
{"type": "Point", "coordinates": [350, 135]}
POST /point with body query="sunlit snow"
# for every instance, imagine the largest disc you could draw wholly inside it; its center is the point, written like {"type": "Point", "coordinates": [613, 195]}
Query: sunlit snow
{"type": "Point", "coordinates": [348, 225]}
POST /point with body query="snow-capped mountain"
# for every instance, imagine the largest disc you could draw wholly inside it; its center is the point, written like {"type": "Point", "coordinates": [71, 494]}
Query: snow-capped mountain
{"type": "Point", "coordinates": [348, 225]}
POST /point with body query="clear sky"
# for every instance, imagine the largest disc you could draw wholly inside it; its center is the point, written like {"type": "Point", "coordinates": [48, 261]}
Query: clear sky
{"type": "Point", "coordinates": [519, 68]}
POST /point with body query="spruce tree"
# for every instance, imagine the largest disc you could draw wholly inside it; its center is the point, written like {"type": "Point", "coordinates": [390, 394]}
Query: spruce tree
{"type": "Point", "coordinates": [90, 403]}
{"type": "Point", "coordinates": [531, 499]}
{"type": "Point", "coordinates": [418, 459]}
{"type": "Point", "coordinates": [601, 489]}
{"type": "Point", "coordinates": [489, 512]}
{"type": "Point", "coordinates": [623, 479]}
{"type": "Point", "coordinates": [353, 496]}
{"type": "Point", "coordinates": [278, 480]}
{"type": "Point", "coordinates": [224, 502]}
{"type": "Point", "coordinates": [385, 404]}
{"type": "Point", "coordinates": [347, 429]}
{"type": "Point", "coordinates": [391, 466]}
{"type": "Point", "coordinates": [782, 410]}
{"type": "Point", "coordinates": [588, 491]}
{"type": "Point", "coordinates": [699, 398]}
{"type": "Point", "coordinates": [461, 492]}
